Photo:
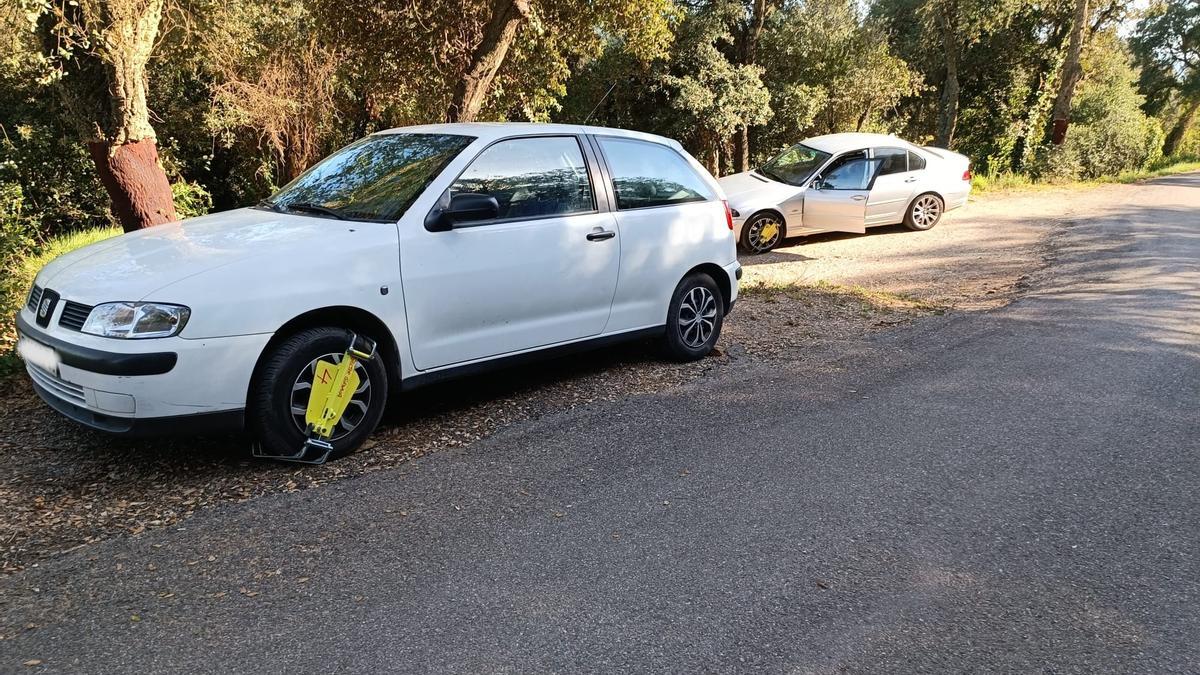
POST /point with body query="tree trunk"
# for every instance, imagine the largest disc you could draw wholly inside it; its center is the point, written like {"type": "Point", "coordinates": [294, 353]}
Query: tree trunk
{"type": "Point", "coordinates": [109, 88]}
{"type": "Point", "coordinates": [1060, 114]}
{"type": "Point", "coordinates": [1175, 137]}
{"type": "Point", "coordinates": [471, 91]}
{"type": "Point", "coordinates": [741, 150]}
{"type": "Point", "coordinates": [948, 106]}
{"type": "Point", "coordinates": [135, 181]}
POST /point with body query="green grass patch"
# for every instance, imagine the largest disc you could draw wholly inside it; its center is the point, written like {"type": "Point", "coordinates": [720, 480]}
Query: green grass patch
{"type": "Point", "coordinates": [20, 268]}
{"type": "Point", "coordinates": [1007, 181]}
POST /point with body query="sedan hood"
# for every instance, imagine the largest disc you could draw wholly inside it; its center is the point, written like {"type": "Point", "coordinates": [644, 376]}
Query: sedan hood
{"type": "Point", "coordinates": [749, 190]}
{"type": "Point", "coordinates": [132, 266]}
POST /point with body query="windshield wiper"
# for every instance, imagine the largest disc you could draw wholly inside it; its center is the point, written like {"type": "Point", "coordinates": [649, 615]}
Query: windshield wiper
{"type": "Point", "coordinates": [315, 208]}
{"type": "Point", "coordinates": [268, 204]}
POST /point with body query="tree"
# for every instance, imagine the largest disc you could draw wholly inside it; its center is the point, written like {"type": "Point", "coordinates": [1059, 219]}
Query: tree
{"type": "Point", "coordinates": [1070, 74]}
{"type": "Point", "coordinates": [1167, 45]}
{"type": "Point", "coordinates": [471, 91]}
{"type": "Point", "coordinates": [96, 52]}
{"type": "Point", "coordinates": [955, 25]}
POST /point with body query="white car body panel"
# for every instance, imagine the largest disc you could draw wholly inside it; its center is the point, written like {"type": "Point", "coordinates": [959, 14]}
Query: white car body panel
{"type": "Point", "coordinates": [809, 211]}
{"type": "Point", "coordinates": [452, 298]}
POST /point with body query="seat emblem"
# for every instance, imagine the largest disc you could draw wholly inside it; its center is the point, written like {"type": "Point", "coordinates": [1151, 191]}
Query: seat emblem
{"type": "Point", "coordinates": [44, 310]}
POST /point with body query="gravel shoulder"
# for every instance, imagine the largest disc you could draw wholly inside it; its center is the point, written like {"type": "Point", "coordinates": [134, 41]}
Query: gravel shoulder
{"type": "Point", "coordinates": [65, 487]}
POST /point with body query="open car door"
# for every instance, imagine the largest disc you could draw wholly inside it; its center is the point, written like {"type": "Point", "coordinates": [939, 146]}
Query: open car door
{"type": "Point", "coordinates": [837, 201]}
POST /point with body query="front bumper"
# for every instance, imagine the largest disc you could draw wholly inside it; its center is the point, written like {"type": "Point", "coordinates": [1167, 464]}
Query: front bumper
{"type": "Point", "coordinates": [144, 387]}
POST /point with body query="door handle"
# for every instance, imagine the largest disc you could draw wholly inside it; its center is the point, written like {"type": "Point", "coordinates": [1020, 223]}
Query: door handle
{"type": "Point", "coordinates": [601, 235]}
{"type": "Point", "coordinates": [910, 179]}
{"type": "Point", "coordinates": [858, 198]}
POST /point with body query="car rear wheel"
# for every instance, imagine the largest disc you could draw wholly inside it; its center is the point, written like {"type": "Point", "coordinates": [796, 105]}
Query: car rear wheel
{"type": "Point", "coordinates": [694, 318]}
{"type": "Point", "coordinates": [762, 233]}
{"type": "Point", "coordinates": [279, 395]}
{"type": "Point", "coordinates": [924, 212]}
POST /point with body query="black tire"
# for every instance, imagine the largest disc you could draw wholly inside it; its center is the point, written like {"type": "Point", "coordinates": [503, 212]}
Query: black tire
{"type": "Point", "coordinates": [752, 243]}
{"type": "Point", "coordinates": [682, 342]}
{"type": "Point", "coordinates": [924, 212]}
{"type": "Point", "coordinates": [269, 410]}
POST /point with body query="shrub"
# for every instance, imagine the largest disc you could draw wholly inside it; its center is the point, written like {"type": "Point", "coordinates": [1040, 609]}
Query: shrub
{"type": "Point", "coordinates": [20, 267]}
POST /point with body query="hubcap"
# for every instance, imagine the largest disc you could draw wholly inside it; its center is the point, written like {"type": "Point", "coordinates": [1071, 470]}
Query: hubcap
{"type": "Point", "coordinates": [356, 411]}
{"type": "Point", "coordinates": [697, 317]}
{"type": "Point", "coordinates": [926, 211]}
{"type": "Point", "coordinates": [764, 233]}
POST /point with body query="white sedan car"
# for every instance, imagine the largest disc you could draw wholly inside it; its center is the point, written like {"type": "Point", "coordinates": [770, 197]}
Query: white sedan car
{"type": "Point", "coordinates": [845, 183]}
{"type": "Point", "coordinates": [454, 248]}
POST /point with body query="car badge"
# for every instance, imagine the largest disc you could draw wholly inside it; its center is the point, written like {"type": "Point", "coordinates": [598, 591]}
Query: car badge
{"type": "Point", "coordinates": [45, 308]}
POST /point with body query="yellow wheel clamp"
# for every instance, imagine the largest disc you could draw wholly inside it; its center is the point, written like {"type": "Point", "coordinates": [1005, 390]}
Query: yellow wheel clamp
{"type": "Point", "coordinates": [332, 388]}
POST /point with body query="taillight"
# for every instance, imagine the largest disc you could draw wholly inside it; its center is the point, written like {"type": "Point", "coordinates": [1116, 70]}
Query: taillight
{"type": "Point", "coordinates": [728, 215]}
{"type": "Point", "coordinates": [967, 174]}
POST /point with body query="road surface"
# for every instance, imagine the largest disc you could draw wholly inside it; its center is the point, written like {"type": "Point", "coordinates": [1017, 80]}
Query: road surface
{"type": "Point", "coordinates": [1015, 489]}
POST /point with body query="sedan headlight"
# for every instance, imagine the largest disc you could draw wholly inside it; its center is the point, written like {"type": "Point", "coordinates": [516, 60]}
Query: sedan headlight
{"type": "Point", "coordinates": [136, 320]}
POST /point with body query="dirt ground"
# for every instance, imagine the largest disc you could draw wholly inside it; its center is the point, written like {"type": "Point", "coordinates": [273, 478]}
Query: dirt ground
{"type": "Point", "coordinates": [64, 487]}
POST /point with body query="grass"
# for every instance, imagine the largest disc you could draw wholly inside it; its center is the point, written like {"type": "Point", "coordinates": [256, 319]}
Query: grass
{"type": "Point", "coordinates": [1007, 181]}
{"type": "Point", "coordinates": [768, 287]}
{"type": "Point", "coordinates": [20, 269]}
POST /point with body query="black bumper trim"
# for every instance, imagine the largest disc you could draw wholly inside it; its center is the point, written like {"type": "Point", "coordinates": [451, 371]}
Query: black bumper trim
{"type": "Point", "coordinates": [97, 361]}
{"type": "Point", "coordinates": [223, 421]}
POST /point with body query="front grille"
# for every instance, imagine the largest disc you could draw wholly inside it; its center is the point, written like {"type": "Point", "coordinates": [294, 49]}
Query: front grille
{"type": "Point", "coordinates": [73, 315]}
{"type": "Point", "coordinates": [35, 296]}
{"type": "Point", "coordinates": [56, 385]}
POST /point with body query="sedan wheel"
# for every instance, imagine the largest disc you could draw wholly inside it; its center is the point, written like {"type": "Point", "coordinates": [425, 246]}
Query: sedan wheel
{"type": "Point", "coordinates": [924, 213]}
{"type": "Point", "coordinates": [762, 233]}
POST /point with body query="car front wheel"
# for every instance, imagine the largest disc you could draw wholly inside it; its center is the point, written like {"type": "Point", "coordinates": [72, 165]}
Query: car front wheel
{"type": "Point", "coordinates": [280, 393]}
{"type": "Point", "coordinates": [694, 318]}
{"type": "Point", "coordinates": [924, 212]}
{"type": "Point", "coordinates": [762, 233]}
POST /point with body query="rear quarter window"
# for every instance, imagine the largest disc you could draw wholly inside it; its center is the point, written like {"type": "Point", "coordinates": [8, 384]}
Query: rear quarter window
{"type": "Point", "coordinates": [647, 174]}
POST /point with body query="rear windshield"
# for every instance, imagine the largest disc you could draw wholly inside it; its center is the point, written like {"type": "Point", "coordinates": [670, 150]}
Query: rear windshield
{"type": "Point", "coordinates": [376, 178]}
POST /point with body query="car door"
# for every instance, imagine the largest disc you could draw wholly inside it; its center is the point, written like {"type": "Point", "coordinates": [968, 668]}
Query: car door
{"type": "Point", "coordinates": [837, 200]}
{"type": "Point", "coordinates": [893, 187]}
{"type": "Point", "coordinates": [541, 272]}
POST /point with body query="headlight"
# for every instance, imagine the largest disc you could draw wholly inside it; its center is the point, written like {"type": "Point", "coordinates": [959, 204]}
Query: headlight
{"type": "Point", "coordinates": [136, 320]}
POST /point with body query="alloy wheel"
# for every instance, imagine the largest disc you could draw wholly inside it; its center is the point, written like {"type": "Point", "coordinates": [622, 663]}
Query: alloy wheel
{"type": "Point", "coordinates": [764, 233]}
{"type": "Point", "coordinates": [926, 211]}
{"type": "Point", "coordinates": [357, 409]}
{"type": "Point", "coordinates": [697, 317]}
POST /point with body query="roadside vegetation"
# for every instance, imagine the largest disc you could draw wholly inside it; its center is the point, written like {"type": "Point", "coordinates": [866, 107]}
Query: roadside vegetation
{"type": "Point", "coordinates": [116, 113]}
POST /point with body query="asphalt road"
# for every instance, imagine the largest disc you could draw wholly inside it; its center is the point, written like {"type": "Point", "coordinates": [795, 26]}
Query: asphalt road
{"type": "Point", "coordinates": [1013, 490]}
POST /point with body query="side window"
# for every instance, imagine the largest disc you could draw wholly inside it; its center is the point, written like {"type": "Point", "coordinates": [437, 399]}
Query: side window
{"type": "Point", "coordinates": [852, 174]}
{"type": "Point", "coordinates": [895, 160]}
{"type": "Point", "coordinates": [649, 174]}
{"type": "Point", "coordinates": [531, 177]}
{"type": "Point", "coordinates": [915, 161]}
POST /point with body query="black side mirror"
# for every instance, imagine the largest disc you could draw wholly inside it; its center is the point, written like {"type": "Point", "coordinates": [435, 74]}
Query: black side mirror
{"type": "Point", "coordinates": [462, 208]}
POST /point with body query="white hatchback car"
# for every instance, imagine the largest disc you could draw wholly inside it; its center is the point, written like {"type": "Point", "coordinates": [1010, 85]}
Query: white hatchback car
{"type": "Point", "coordinates": [454, 247]}
{"type": "Point", "coordinates": [845, 183]}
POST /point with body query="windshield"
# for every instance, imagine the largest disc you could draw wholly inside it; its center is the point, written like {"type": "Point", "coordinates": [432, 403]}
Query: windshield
{"type": "Point", "coordinates": [794, 165]}
{"type": "Point", "coordinates": [376, 178]}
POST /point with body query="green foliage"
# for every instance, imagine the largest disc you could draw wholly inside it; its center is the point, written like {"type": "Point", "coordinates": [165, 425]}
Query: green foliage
{"type": "Point", "coordinates": [1109, 134]}
{"type": "Point", "coordinates": [21, 264]}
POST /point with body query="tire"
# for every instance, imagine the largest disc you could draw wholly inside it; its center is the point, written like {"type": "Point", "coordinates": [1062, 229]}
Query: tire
{"type": "Point", "coordinates": [692, 334]}
{"type": "Point", "coordinates": [752, 240]}
{"type": "Point", "coordinates": [924, 212]}
{"type": "Point", "coordinates": [270, 419]}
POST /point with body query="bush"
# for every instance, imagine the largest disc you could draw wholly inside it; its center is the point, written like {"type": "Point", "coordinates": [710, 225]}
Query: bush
{"type": "Point", "coordinates": [21, 266]}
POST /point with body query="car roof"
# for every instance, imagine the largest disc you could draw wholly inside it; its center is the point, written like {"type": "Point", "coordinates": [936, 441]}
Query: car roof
{"type": "Point", "coordinates": [835, 143]}
{"type": "Point", "coordinates": [490, 131]}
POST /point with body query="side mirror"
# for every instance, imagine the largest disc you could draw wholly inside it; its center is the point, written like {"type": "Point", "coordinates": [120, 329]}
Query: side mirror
{"type": "Point", "coordinates": [462, 208]}
{"type": "Point", "coordinates": [817, 182]}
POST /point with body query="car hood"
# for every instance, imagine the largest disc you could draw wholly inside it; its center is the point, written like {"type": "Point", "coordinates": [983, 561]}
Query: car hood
{"type": "Point", "coordinates": [749, 189]}
{"type": "Point", "coordinates": [134, 265]}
